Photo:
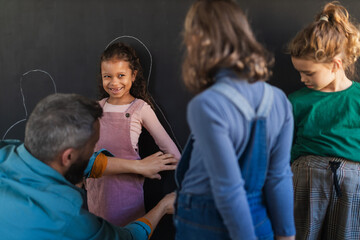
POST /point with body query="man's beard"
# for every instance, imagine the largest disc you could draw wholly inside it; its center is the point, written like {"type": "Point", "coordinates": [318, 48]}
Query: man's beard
{"type": "Point", "coordinates": [75, 173]}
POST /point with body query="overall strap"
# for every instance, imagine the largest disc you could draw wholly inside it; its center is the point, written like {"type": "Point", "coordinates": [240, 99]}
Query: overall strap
{"type": "Point", "coordinates": [236, 98]}
{"type": "Point", "coordinates": [242, 104]}
{"type": "Point", "coordinates": [252, 156]}
{"type": "Point", "coordinates": [135, 106]}
{"type": "Point", "coordinates": [183, 165]}
{"type": "Point", "coordinates": [102, 102]}
{"type": "Point", "coordinates": [266, 102]}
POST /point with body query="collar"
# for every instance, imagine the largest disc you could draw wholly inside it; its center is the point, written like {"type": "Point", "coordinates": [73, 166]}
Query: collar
{"type": "Point", "coordinates": [44, 172]}
{"type": "Point", "coordinates": [225, 73]}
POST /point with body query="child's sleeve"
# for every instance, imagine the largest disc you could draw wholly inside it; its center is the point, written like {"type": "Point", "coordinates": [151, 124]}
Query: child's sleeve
{"type": "Point", "coordinates": [292, 98]}
{"type": "Point", "coordinates": [97, 164]}
{"type": "Point", "coordinates": [162, 139]}
{"type": "Point", "coordinates": [278, 188]}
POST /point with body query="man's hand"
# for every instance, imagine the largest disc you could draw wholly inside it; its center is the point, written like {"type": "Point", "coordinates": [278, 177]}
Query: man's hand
{"type": "Point", "coordinates": [168, 203]}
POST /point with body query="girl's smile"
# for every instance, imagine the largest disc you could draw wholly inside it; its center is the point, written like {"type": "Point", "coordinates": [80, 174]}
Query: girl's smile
{"type": "Point", "coordinates": [115, 90]}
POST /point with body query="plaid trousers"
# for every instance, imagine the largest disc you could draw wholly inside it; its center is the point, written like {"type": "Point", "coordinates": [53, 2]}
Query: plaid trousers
{"type": "Point", "coordinates": [327, 198]}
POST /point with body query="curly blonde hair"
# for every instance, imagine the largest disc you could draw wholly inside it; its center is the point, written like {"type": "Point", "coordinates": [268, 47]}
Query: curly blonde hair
{"type": "Point", "coordinates": [217, 35]}
{"type": "Point", "coordinates": [331, 34]}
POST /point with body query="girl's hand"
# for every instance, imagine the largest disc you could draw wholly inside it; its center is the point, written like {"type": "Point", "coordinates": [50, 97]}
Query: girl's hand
{"type": "Point", "coordinates": [151, 166]}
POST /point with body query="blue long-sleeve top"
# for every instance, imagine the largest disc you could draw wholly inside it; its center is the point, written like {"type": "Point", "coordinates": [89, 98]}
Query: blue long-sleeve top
{"type": "Point", "coordinates": [37, 202]}
{"type": "Point", "coordinates": [219, 132]}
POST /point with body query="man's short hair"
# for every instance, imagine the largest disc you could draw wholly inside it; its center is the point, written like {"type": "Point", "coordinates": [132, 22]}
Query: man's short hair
{"type": "Point", "coordinates": [58, 122]}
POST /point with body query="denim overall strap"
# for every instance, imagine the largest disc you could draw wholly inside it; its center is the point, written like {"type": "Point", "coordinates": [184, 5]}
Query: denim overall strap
{"type": "Point", "coordinates": [196, 217]}
{"type": "Point", "coordinates": [253, 158]}
{"type": "Point", "coordinates": [242, 104]}
{"type": "Point", "coordinates": [236, 98]}
{"type": "Point", "coordinates": [266, 102]}
{"type": "Point", "coordinates": [183, 165]}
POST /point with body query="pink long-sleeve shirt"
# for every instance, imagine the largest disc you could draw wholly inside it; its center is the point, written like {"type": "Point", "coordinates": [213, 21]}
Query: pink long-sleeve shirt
{"type": "Point", "coordinates": [146, 117]}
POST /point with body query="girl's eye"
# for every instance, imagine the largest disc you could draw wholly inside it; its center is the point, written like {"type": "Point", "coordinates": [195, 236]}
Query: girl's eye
{"type": "Point", "coordinates": [106, 76]}
{"type": "Point", "coordinates": [121, 75]}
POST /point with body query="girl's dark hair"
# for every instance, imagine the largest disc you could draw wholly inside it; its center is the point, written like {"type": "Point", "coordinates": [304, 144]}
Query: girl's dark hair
{"type": "Point", "coordinates": [122, 51]}
{"type": "Point", "coordinates": [217, 35]}
{"type": "Point", "coordinates": [331, 34]}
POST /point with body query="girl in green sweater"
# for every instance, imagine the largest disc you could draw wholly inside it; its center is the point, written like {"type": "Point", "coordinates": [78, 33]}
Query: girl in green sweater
{"type": "Point", "coordinates": [326, 149]}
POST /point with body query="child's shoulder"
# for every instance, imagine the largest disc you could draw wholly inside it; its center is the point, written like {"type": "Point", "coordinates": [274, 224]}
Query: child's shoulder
{"type": "Point", "coordinates": [356, 85]}
{"type": "Point", "coordinates": [139, 100]}
{"type": "Point", "coordinates": [143, 106]}
{"type": "Point", "coordinates": [207, 99]}
{"type": "Point", "coordinates": [280, 98]}
{"type": "Point", "coordinates": [298, 94]}
{"type": "Point", "coordinates": [208, 96]}
{"type": "Point", "coordinates": [278, 92]}
{"type": "Point", "coordinates": [142, 103]}
{"type": "Point", "coordinates": [102, 101]}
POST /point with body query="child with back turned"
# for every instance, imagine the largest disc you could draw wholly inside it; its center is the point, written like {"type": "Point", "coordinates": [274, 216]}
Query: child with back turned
{"type": "Point", "coordinates": [127, 108]}
{"type": "Point", "coordinates": [326, 149]}
{"type": "Point", "coordinates": [234, 176]}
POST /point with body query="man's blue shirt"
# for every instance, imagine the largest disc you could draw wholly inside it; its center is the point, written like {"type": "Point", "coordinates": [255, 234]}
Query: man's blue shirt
{"type": "Point", "coordinates": [37, 202]}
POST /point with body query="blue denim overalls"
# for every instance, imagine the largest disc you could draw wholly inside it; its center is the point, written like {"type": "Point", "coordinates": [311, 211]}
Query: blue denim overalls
{"type": "Point", "coordinates": [196, 216]}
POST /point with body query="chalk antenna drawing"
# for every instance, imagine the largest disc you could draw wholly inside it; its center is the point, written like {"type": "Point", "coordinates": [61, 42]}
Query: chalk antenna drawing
{"type": "Point", "coordinates": [23, 97]}
{"type": "Point", "coordinates": [148, 80]}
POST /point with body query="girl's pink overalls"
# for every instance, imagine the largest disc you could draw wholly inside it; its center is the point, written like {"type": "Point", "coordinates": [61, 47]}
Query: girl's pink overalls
{"type": "Point", "coordinates": [118, 198]}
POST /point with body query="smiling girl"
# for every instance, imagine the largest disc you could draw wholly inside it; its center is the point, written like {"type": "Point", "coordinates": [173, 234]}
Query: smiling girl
{"type": "Point", "coordinates": [127, 108]}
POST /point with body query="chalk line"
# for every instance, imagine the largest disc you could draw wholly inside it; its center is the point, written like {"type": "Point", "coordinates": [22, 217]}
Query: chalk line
{"type": "Point", "coordinates": [23, 97]}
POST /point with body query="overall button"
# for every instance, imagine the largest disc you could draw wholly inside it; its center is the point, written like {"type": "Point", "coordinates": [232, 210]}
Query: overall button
{"type": "Point", "coordinates": [127, 115]}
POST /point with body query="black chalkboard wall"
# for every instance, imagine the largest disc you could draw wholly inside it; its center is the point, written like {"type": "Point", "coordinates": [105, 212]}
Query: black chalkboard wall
{"type": "Point", "coordinates": [52, 46]}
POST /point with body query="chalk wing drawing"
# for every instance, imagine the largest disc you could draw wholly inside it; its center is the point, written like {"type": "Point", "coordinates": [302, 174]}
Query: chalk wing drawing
{"type": "Point", "coordinates": [32, 90]}
{"type": "Point", "coordinates": [128, 39]}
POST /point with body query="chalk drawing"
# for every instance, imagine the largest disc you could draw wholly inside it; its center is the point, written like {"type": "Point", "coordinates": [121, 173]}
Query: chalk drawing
{"type": "Point", "coordinates": [148, 80]}
{"type": "Point", "coordinates": [23, 96]}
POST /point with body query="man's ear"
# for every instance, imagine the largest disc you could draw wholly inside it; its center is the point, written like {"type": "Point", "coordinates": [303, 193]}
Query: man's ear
{"type": "Point", "coordinates": [68, 156]}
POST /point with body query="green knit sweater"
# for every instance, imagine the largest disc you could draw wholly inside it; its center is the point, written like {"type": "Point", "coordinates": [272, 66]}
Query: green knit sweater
{"type": "Point", "coordinates": [327, 123]}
